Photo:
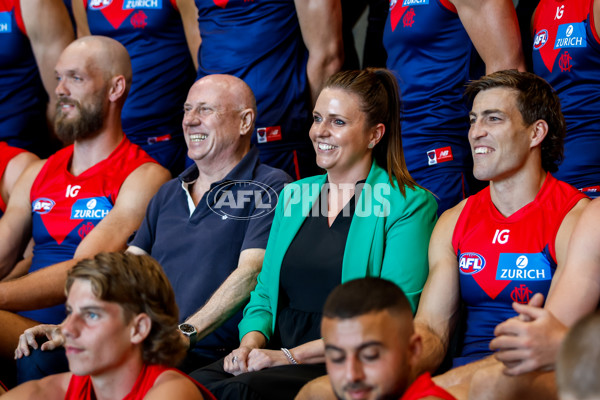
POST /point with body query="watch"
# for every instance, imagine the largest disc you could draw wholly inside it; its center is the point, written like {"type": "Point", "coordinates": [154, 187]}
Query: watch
{"type": "Point", "coordinates": [189, 331]}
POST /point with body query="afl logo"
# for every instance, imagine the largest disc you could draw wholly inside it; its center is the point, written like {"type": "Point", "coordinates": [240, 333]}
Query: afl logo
{"type": "Point", "coordinates": [393, 3]}
{"type": "Point", "coordinates": [99, 4]}
{"type": "Point", "coordinates": [471, 263]}
{"type": "Point", "coordinates": [540, 39]}
{"type": "Point", "coordinates": [42, 206]}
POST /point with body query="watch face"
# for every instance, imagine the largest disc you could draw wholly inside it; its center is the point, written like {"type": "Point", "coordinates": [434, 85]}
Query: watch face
{"type": "Point", "coordinates": [187, 329]}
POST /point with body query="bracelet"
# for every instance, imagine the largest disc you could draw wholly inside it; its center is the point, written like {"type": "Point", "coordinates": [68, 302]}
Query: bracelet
{"type": "Point", "coordinates": [289, 356]}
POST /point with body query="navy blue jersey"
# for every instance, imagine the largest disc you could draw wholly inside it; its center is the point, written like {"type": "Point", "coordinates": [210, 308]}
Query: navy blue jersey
{"type": "Point", "coordinates": [23, 99]}
{"type": "Point", "coordinates": [566, 53]}
{"type": "Point", "coordinates": [433, 58]}
{"type": "Point", "coordinates": [260, 42]}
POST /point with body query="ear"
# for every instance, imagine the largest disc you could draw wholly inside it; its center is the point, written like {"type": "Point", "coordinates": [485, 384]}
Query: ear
{"type": "Point", "coordinates": [140, 328]}
{"type": "Point", "coordinates": [415, 348]}
{"type": "Point", "coordinates": [117, 87]}
{"type": "Point", "coordinates": [247, 121]}
{"type": "Point", "coordinates": [376, 134]}
{"type": "Point", "coordinates": [539, 130]}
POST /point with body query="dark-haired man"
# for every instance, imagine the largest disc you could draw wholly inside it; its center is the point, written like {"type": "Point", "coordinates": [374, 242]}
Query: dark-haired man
{"type": "Point", "coordinates": [503, 244]}
{"type": "Point", "coordinates": [371, 345]}
{"type": "Point", "coordinates": [120, 335]}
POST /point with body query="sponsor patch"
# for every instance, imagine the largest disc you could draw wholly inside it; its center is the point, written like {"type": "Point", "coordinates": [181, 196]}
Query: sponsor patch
{"type": "Point", "coordinates": [268, 134]}
{"type": "Point", "coordinates": [540, 39]}
{"type": "Point", "coordinates": [146, 4]}
{"type": "Point", "coordinates": [5, 22]}
{"type": "Point", "coordinates": [439, 155]}
{"type": "Point", "coordinates": [42, 205]}
{"type": "Point", "coordinates": [471, 263]}
{"type": "Point", "coordinates": [406, 3]}
{"type": "Point", "coordinates": [98, 4]}
{"type": "Point", "coordinates": [523, 267]}
{"type": "Point", "coordinates": [570, 35]}
{"type": "Point", "coordinates": [93, 208]}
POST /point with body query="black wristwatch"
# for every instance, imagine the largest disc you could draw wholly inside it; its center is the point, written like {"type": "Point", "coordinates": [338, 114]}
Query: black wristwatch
{"type": "Point", "coordinates": [189, 331]}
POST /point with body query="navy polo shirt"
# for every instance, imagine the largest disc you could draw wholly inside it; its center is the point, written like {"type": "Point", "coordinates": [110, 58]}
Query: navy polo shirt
{"type": "Point", "coordinates": [198, 247]}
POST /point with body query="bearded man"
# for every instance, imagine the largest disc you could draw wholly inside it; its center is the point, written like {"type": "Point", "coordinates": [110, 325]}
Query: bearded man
{"type": "Point", "coordinates": [87, 198]}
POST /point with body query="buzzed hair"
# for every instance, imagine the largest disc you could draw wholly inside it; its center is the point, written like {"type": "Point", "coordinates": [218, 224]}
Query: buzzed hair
{"type": "Point", "coordinates": [578, 364]}
{"type": "Point", "coordinates": [363, 296]}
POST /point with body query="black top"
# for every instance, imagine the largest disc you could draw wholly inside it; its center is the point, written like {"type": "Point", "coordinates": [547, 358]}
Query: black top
{"type": "Point", "coordinates": [311, 268]}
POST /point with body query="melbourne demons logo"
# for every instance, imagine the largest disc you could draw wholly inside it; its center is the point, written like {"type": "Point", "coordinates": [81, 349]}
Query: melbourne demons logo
{"type": "Point", "coordinates": [42, 205]}
{"type": "Point", "coordinates": [99, 4]}
{"type": "Point", "coordinates": [540, 39]}
{"type": "Point", "coordinates": [471, 263]}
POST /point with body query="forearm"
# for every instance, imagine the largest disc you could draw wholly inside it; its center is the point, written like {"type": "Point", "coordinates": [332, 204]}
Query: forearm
{"type": "Point", "coordinates": [433, 353]}
{"type": "Point", "coordinates": [309, 353]}
{"type": "Point", "coordinates": [462, 375]}
{"type": "Point", "coordinates": [225, 302]}
{"type": "Point", "coordinates": [43, 288]}
{"type": "Point", "coordinates": [254, 340]}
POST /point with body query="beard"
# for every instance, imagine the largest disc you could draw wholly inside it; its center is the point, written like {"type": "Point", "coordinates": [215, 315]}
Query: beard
{"type": "Point", "coordinates": [84, 126]}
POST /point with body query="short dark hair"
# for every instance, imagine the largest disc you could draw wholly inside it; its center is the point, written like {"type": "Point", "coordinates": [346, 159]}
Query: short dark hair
{"type": "Point", "coordinates": [578, 363]}
{"type": "Point", "coordinates": [379, 96]}
{"type": "Point", "coordinates": [536, 100]}
{"type": "Point", "coordinates": [363, 296]}
{"type": "Point", "coordinates": [138, 284]}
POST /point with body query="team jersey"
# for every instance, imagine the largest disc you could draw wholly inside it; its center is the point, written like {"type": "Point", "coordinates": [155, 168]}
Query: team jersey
{"type": "Point", "coordinates": [7, 153]}
{"type": "Point", "coordinates": [433, 58]}
{"type": "Point", "coordinates": [423, 387]}
{"type": "Point", "coordinates": [260, 42]}
{"type": "Point", "coordinates": [163, 70]}
{"type": "Point", "coordinates": [23, 99]}
{"type": "Point", "coordinates": [502, 260]}
{"type": "Point", "coordinates": [65, 208]}
{"type": "Point", "coordinates": [566, 53]}
{"type": "Point", "coordinates": [82, 388]}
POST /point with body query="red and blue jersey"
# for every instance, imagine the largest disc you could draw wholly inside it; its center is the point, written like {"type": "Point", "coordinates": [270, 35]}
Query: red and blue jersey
{"type": "Point", "coordinates": [7, 153]}
{"type": "Point", "coordinates": [502, 260]}
{"type": "Point", "coordinates": [163, 70]}
{"type": "Point", "coordinates": [566, 53]}
{"type": "Point", "coordinates": [65, 208]}
{"type": "Point", "coordinates": [433, 58]}
{"type": "Point", "coordinates": [260, 42]}
{"type": "Point", "coordinates": [23, 99]}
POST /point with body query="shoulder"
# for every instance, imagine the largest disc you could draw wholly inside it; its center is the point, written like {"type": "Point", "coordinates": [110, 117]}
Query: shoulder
{"type": "Point", "coordinates": [273, 177]}
{"type": "Point", "coordinates": [174, 384]}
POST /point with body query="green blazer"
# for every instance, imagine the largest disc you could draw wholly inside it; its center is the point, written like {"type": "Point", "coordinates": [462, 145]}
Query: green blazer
{"type": "Point", "coordinates": [388, 238]}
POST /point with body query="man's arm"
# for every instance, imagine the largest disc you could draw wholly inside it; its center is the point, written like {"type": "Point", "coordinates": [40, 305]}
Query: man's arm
{"type": "Point", "coordinates": [81, 21]}
{"type": "Point", "coordinates": [173, 385]}
{"type": "Point", "coordinates": [45, 287]}
{"type": "Point", "coordinates": [439, 305]}
{"type": "Point", "coordinates": [321, 26]}
{"type": "Point", "coordinates": [53, 387]}
{"type": "Point", "coordinates": [49, 30]}
{"type": "Point", "coordinates": [15, 224]}
{"type": "Point", "coordinates": [494, 30]}
{"type": "Point", "coordinates": [189, 18]}
{"type": "Point", "coordinates": [231, 295]}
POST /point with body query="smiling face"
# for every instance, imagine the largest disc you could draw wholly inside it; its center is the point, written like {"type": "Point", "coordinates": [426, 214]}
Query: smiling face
{"type": "Point", "coordinates": [369, 357]}
{"type": "Point", "coordinates": [500, 140]}
{"type": "Point", "coordinates": [212, 123]}
{"type": "Point", "coordinates": [98, 339]}
{"type": "Point", "coordinates": [82, 94]}
{"type": "Point", "coordinates": [340, 134]}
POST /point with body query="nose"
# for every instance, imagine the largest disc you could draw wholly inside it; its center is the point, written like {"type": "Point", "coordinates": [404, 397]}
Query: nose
{"type": "Point", "coordinates": [476, 130]}
{"type": "Point", "coordinates": [354, 370]}
{"type": "Point", "coordinates": [319, 129]}
{"type": "Point", "coordinates": [61, 88]}
{"type": "Point", "coordinates": [190, 118]}
{"type": "Point", "coordinates": [69, 327]}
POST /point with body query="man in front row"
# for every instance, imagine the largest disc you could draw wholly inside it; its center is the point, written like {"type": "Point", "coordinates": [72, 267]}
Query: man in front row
{"type": "Point", "coordinates": [120, 335]}
{"type": "Point", "coordinates": [86, 198]}
{"type": "Point", "coordinates": [503, 244]}
{"type": "Point", "coordinates": [370, 344]}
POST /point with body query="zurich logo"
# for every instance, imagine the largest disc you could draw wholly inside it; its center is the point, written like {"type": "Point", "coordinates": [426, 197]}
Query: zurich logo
{"type": "Point", "coordinates": [540, 39]}
{"type": "Point", "coordinates": [471, 263]}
